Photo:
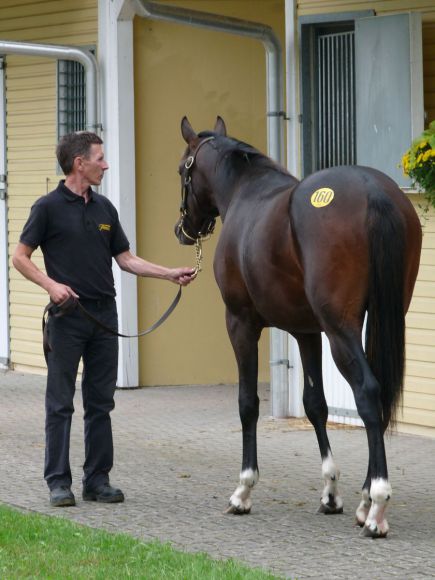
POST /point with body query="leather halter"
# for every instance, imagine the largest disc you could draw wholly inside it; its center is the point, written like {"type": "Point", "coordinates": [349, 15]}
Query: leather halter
{"type": "Point", "coordinates": [207, 227]}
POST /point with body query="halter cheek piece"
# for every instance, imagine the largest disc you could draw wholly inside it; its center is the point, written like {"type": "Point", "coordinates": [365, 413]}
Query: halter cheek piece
{"type": "Point", "coordinates": [207, 227]}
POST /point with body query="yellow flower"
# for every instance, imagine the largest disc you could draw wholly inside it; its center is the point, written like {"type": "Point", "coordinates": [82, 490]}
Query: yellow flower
{"type": "Point", "coordinates": [405, 164]}
{"type": "Point", "coordinates": [418, 163]}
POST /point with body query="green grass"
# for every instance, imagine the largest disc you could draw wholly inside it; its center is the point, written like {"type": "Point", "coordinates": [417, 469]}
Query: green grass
{"type": "Point", "coordinates": [36, 546]}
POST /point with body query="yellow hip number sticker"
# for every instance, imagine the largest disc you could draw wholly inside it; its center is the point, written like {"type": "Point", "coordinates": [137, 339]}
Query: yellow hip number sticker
{"type": "Point", "coordinates": [322, 197]}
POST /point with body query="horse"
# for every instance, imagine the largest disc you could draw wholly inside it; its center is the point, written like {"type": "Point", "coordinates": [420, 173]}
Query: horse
{"type": "Point", "coordinates": [308, 257]}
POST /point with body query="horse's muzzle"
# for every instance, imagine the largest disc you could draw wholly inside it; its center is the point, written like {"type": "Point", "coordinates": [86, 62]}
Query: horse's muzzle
{"type": "Point", "coordinates": [181, 236]}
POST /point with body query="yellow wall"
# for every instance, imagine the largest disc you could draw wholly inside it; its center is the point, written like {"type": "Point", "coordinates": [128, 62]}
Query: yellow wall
{"type": "Point", "coordinates": [180, 71]}
{"type": "Point", "coordinates": [419, 396]}
{"type": "Point", "coordinates": [31, 141]}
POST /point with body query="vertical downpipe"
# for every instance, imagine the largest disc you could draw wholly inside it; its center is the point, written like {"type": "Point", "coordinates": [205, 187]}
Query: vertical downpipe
{"type": "Point", "coordinates": [293, 406]}
{"type": "Point", "coordinates": [279, 363]}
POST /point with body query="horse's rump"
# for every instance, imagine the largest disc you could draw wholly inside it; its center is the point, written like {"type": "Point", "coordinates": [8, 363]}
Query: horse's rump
{"type": "Point", "coordinates": [353, 249]}
{"type": "Point", "coordinates": [332, 242]}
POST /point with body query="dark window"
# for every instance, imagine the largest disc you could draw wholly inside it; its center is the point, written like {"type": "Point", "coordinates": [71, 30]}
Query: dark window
{"type": "Point", "coordinates": [71, 97]}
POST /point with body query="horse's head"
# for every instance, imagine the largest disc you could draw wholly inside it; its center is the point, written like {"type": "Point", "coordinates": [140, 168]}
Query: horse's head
{"type": "Point", "coordinates": [198, 210]}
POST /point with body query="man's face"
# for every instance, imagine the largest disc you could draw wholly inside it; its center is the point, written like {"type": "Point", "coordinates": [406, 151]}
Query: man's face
{"type": "Point", "coordinates": [93, 166]}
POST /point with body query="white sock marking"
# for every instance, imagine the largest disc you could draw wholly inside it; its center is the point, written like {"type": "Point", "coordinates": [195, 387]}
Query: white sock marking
{"type": "Point", "coordinates": [363, 509]}
{"type": "Point", "coordinates": [331, 475]}
{"type": "Point", "coordinates": [380, 493]}
{"type": "Point", "coordinates": [241, 497]}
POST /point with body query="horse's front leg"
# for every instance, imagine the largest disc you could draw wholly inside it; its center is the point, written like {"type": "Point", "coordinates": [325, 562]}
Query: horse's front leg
{"type": "Point", "coordinates": [244, 335]}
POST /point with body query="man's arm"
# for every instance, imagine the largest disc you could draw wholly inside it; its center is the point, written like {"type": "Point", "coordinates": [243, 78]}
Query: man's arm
{"type": "Point", "coordinates": [23, 263]}
{"type": "Point", "coordinates": [135, 265]}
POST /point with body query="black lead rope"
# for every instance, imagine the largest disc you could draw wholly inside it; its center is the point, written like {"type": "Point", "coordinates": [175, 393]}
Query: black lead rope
{"type": "Point", "coordinates": [71, 303]}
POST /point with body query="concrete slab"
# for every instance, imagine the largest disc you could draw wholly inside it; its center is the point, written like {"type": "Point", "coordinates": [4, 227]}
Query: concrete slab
{"type": "Point", "coordinates": [177, 458]}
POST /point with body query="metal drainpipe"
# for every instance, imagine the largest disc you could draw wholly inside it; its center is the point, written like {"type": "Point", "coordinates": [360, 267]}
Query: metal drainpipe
{"type": "Point", "coordinates": [80, 55]}
{"type": "Point", "coordinates": [279, 363]}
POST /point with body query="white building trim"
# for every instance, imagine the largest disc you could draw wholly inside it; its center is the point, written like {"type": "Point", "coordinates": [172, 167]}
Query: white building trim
{"type": "Point", "coordinates": [115, 55]}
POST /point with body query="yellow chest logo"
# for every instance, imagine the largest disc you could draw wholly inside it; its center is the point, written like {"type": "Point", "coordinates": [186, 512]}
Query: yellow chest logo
{"type": "Point", "coordinates": [322, 197]}
{"type": "Point", "coordinates": [104, 227]}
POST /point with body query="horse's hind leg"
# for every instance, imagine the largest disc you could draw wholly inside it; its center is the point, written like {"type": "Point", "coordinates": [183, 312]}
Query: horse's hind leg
{"type": "Point", "coordinates": [310, 347]}
{"type": "Point", "coordinates": [363, 509]}
{"type": "Point", "coordinates": [365, 504]}
{"type": "Point", "coordinates": [244, 334]}
{"type": "Point", "coordinates": [349, 357]}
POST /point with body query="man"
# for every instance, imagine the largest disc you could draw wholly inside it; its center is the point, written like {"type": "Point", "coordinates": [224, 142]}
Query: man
{"type": "Point", "coordinates": [79, 232]}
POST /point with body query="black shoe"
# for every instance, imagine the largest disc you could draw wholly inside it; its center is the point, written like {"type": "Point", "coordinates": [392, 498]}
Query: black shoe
{"type": "Point", "coordinates": [104, 493]}
{"type": "Point", "coordinates": [62, 496]}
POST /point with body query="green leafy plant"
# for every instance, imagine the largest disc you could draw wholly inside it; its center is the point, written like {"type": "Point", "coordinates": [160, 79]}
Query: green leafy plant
{"type": "Point", "coordinates": [418, 163]}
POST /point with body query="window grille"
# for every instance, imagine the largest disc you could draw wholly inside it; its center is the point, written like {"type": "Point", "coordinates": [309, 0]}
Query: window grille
{"type": "Point", "coordinates": [336, 143]}
{"type": "Point", "coordinates": [328, 95]}
{"type": "Point", "coordinates": [71, 97]}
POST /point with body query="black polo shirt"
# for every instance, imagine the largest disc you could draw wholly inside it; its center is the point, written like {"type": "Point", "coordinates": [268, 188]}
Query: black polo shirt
{"type": "Point", "coordinates": [77, 240]}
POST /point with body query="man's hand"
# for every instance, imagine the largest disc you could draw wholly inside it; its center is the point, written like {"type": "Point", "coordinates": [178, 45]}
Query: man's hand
{"type": "Point", "coordinates": [135, 265]}
{"type": "Point", "coordinates": [60, 292]}
{"type": "Point", "coordinates": [23, 263]}
{"type": "Point", "coordinates": [182, 276]}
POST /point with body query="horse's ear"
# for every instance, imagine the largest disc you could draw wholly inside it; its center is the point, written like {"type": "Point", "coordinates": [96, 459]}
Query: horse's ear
{"type": "Point", "coordinates": [187, 131]}
{"type": "Point", "coordinates": [220, 127]}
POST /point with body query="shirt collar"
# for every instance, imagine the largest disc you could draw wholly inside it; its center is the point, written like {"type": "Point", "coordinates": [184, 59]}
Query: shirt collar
{"type": "Point", "coordinates": [70, 195]}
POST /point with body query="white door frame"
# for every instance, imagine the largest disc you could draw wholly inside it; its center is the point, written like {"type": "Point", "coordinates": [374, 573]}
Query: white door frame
{"type": "Point", "coordinates": [115, 57]}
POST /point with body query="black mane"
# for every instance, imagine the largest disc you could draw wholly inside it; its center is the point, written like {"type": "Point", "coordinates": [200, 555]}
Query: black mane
{"type": "Point", "coordinates": [238, 155]}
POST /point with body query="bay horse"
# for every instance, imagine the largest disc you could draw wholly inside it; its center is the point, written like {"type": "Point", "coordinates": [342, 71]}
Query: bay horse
{"type": "Point", "coordinates": [307, 257]}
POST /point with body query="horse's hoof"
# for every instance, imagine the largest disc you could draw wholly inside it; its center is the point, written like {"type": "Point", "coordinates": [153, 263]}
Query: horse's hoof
{"type": "Point", "coordinates": [329, 510]}
{"type": "Point", "coordinates": [237, 510]}
{"type": "Point", "coordinates": [373, 533]}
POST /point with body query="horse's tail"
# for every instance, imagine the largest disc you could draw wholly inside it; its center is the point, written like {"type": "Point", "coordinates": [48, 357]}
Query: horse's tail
{"type": "Point", "coordinates": [385, 334]}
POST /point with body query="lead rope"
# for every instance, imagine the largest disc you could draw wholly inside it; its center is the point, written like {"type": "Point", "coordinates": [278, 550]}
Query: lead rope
{"type": "Point", "coordinates": [198, 255]}
{"type": "Point", "coordinates": [71, 303]}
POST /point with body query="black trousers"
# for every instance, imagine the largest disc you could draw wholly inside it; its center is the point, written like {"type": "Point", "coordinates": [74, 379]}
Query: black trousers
{"type": "Point", "coordinates": [73, 337]}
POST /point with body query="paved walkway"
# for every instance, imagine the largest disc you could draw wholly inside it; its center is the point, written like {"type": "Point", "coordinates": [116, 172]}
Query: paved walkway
{"type": "Point", "coordinates": [178, 457]}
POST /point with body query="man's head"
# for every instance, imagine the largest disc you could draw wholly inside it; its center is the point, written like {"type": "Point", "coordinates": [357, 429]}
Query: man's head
{"type": "Point", "coordinates": [82, 152]}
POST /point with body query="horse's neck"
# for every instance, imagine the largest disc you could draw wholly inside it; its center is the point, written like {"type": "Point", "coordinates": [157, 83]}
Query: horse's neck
{"type": "Point", "coordinates": [223, 193]}
{"type": "Point", "coordinates": [250, 188]}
